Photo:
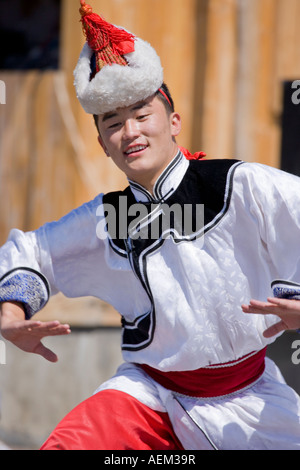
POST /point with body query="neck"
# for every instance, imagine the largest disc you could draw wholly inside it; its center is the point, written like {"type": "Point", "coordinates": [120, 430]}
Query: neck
{"type": "Point", "coordinates": [148, 180]}
{"type": "Point", "coordinates": [166, 183]}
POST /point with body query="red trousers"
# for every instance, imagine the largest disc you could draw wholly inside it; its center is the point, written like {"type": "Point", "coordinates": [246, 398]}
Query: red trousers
{"type": "Point", "coordinates": [113, 420]}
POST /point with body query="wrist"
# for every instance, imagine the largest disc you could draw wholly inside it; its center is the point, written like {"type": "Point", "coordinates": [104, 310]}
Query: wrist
{"type": "Point", "coordinates": [12, 310]}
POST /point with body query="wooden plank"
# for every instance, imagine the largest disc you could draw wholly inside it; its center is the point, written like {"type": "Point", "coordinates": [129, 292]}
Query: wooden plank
{"type": "Point", "coordinates": [220, 79]}
{"type": "Point", "coordinates": [256, 131]}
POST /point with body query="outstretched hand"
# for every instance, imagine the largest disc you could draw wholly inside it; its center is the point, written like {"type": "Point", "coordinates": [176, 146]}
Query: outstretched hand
{"type": "Point", "coordinates": [27, 334]}
{"type": "Point", "coordinates": [287, 310]}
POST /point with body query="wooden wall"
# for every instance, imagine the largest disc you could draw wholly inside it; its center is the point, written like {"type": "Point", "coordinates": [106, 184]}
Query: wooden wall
{"type": "Point", "coordinates": [248, 48]}
{"type": "Point", "coordinates": [224, 61]}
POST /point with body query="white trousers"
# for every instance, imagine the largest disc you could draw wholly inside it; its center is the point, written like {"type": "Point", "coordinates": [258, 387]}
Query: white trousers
{"type": "Point", "coordinates": [264, 416]}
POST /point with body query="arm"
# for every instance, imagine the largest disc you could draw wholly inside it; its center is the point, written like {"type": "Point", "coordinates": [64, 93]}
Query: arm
{"type": "Point", "coordinates": [274, 203]}
{"type": "Point", "coordinates": [36, 265]}
{"type": "Point", "coordinates": [27, 334]}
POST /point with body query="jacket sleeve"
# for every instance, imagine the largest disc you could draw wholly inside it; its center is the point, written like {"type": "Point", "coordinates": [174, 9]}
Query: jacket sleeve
{"type": "Point", "coordinates": [274, 201]}
{"type": "Point", "coordinates": [52, 259]}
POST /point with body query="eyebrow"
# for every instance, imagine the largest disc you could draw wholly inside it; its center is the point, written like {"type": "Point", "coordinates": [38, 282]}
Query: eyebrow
{"type": "Point", "coordinates": [141, 105]}
{"type": "Point", "coordinates": [134, 108]}
{"type": "Point", "coordinates": [108, 116]}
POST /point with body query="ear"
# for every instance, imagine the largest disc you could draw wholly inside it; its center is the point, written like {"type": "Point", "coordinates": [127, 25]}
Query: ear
{"type": "Point", "coordinates": [175, 124]}
{"type": "Point", "coordinates": [103, 145]}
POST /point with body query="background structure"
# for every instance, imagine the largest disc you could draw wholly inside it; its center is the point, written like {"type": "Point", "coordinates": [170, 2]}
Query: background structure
{"type": "Point", "coordinates": [229, 65]}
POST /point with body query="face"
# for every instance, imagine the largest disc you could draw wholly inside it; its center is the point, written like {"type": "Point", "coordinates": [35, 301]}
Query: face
{"type": "Point", "coordinates": [140, 139]}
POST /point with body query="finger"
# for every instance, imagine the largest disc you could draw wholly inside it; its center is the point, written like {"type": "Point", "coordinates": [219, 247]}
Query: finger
{"type": "Point", "coordinates": [287, 304]}
{"type": "Point", "coordinates": [274, 329]}
{"type": "Point", "coordinates": [43, 325]}
{"type": "Point", "coordinates": [58, 329]}
{"type": "Point", "coordinates": [38, 325]}
{"type": "Point", "coordinates": [61, 331]}
{"type": "Point", "coordinates": [254, 310]}
{"type": "Point", "coordinates": [275, 300]}
{"type": "Point", "coordinates": [256, 306]}
{"type": "Point", "coordinates": [46, 353]}
{"type": "Point", "coordinates": [49, 328]}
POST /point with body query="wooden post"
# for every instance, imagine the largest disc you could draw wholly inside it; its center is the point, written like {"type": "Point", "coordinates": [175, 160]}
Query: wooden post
{"type": "Point", "coordinates": [219, 72]}
{"type": "Point", "coordinates": [255, 125]}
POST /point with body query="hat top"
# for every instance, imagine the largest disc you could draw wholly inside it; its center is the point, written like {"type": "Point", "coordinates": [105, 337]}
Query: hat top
{"type": "Point", "coordinates": [108, 42]}
{"type": "Point", "coordinates": [115, 68]}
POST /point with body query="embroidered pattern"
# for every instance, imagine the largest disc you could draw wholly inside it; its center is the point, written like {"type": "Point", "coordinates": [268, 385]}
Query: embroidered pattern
{"type": "Point", "coordinates": [286, 290]}
{"type": "Point", "coordinates": [26, 286]}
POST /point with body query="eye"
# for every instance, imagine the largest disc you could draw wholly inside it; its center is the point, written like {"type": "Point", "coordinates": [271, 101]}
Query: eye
{"type": "Point", "coordinates": [115, 125]}
{"type": "Point", "coordinates": [142, 117]}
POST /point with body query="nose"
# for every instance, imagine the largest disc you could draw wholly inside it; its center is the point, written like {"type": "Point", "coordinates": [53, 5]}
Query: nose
{"type": "Point", "coordinates": [130, 129]}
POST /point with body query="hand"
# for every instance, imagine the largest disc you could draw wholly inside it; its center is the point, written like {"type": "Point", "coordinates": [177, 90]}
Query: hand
{"type": "Point", "coordinates": [287, 310]}
{"type": "Point", "coordinates": [27, 334]}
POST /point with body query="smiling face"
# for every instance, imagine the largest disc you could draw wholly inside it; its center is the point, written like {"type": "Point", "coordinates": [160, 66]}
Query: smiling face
{"type": "Point", "coordinates": [140, 139]}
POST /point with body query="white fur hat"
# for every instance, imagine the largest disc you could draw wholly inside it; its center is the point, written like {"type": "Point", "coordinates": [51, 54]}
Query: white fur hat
{"type": "Point", "coordinates": [130, 72]}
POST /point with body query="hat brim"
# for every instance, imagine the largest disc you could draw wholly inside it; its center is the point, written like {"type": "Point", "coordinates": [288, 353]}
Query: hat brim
{"type": "Point", "coordinates": [117, 86]}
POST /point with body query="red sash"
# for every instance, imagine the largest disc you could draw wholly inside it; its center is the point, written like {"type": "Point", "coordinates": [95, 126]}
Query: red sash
{"type": "Point", "coordinates": [215, 380]}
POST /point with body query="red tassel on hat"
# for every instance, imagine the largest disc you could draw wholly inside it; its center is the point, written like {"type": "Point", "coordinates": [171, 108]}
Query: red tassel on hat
{"type": "Point", "coordinates": [107, 41]}
{"type": "Point", "coordinates": [190, 156]}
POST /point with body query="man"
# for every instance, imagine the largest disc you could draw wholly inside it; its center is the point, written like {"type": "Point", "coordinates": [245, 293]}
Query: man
{"type": "Point", "coordinates": [194, 374]}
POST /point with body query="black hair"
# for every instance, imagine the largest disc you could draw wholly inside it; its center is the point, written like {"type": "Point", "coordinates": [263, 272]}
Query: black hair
{"type": "Point", "coordinates": [168, 102]}
{"type": "Point", "coordinates": [95, 116]}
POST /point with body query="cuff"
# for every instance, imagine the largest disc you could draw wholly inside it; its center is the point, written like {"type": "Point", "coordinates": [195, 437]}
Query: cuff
{"type": "Point", "coordinates": [286, 290]}
{"type": "Point", "coordinates": [27, 286]}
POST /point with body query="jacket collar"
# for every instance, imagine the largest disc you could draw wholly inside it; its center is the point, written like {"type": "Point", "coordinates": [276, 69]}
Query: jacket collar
{"type": "Point", "coordinates": [166, 183]}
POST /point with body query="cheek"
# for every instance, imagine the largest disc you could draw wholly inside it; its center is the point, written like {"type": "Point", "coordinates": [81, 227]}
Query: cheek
{"type": "Point", "coordinates": [158, 130]}
{"type": "Point", "coordinates": [112, 142]}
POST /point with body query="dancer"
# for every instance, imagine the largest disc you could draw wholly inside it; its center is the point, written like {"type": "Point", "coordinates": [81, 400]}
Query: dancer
{"type": "Point", "coordinates": [195, 375]}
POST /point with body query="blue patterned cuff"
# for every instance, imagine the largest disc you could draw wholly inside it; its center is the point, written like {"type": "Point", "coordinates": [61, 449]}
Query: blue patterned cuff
{"type": "Point", "coordinates": [27, 286]}
{"type": "Point", "coordinates": [286, 290]}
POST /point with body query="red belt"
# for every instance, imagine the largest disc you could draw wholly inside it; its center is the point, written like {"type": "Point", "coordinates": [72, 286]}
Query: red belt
{"type": "Point", "coordinates": [215, 380]}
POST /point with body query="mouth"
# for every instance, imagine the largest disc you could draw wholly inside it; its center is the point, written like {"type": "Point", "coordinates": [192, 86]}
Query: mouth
{"type": "Point", "coordinates": [135, 150]}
